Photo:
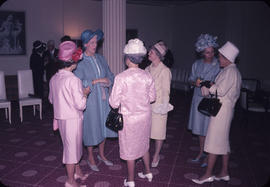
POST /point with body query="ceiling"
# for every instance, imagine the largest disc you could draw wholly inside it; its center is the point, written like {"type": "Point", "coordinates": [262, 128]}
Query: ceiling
{"type": "Point", "coordinates": [177, 2]}
{"type": "Point", "coordinates": [172, 2]}
{"type": "Point", "coordinates": [161, 2]}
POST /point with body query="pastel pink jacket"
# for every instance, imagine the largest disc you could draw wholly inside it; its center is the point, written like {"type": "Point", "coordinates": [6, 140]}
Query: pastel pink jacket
{"type": "Point", "coordinates": [66, 95]}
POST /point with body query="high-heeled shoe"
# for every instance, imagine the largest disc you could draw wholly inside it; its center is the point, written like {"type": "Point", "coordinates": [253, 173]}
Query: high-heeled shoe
{"type": "Point", "coordinates": [129, 184]}
{"type": "Point", "coordinates": [209, 179]}
{"type": "Point", "coordinates": [149, 176]}
{"type": "Point", "coordinates": [81, 177]}
{"type": "Point", "coordinates": [199, 158]}
{"type": "Point", "coordinates": [106, 162]}
{"type": "Point", "coordinates": [225, 178]}
{"type": "Point", "coordinates": [67, 184]}
{"type": "Point", "coordinates": [155, 164]}
{"type": "Point", "coordinates": [92, 167]}
{"type": "Point", "coordinates": [203, 165]}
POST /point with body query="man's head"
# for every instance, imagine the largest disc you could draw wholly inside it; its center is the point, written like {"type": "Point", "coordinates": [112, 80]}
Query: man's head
{"type": "Point", "coordinates": [50, 45]}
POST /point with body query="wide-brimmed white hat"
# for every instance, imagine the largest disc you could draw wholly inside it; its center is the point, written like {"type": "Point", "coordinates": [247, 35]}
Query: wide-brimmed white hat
{"type": "Point", "coordinates": [230, 51]}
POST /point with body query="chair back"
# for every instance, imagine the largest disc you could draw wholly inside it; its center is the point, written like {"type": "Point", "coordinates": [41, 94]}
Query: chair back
{"type": "Point", "coordinates": [2, 86]}
{"type": "Point", "coordinates": [243, 99]}
{"type": "Point", "coordinates": [25, 83]}
{"type": "Point", "coordinates": [251, 84]}
{"type": "Point", "coordinates": [265, 85]}
{"type": "Point", "coordinates": [174, 74]}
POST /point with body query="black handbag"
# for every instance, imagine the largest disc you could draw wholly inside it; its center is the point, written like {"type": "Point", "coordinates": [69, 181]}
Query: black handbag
{"type": "Point", "coordinates": [114, 120]}
{"type": "Point", "coordinates": [210, 106]}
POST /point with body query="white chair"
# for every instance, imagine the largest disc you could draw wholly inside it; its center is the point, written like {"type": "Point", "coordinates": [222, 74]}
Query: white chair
{"type": "Point", "coordinates": [4, 103]}
{"type": "Point", "coordinates": [25, 87]}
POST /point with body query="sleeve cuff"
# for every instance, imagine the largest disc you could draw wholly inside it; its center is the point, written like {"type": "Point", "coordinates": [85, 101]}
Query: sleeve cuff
{"type": "Point", "coordinates": [162, 108]}
{"type": "Point", "coordinates": [213, 89]}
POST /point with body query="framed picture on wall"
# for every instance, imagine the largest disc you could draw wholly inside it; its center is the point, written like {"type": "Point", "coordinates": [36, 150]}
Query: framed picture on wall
{"type": "Point", "coordinates": [12, 33]}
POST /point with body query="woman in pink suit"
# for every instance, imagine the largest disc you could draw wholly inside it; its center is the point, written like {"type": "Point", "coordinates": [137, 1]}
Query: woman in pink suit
{"type": "Point", "coordinates": [69, 100]}
{"type": "Point", "coordinates": [133, 91]}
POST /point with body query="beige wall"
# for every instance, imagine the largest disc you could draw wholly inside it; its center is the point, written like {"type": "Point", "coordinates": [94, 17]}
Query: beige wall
{"type": "Point", "coordinates": [246, 23]}
{"type": "Point", "coordinates": [50, 19]}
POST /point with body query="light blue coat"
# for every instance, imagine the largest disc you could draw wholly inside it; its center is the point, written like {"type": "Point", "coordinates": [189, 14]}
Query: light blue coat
{"type": "Point", "coordinates": [97, 106]}
{"type": "Point", "coordinates": [198, 122]}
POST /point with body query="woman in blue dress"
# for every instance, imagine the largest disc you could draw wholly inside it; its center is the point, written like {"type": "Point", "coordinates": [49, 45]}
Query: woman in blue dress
{"type": "Point", "coordinates": [204, 69]}
{"type": "Point", "coordinates": [94, 71]}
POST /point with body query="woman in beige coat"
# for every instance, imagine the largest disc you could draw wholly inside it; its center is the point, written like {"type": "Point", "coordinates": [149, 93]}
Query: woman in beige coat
{"type": "Point", "coordinates": [227, 85]}
{"type": "Point", "coordinates": [162, 77]}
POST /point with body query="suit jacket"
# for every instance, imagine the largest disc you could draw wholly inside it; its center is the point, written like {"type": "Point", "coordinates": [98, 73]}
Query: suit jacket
{"type": "Point", "coordinates": [50, 61]}
{"type": "Point", "coordinates": [66, 95]}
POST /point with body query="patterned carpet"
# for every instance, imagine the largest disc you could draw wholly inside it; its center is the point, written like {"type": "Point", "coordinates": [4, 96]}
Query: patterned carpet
{"type": "Point", "coordinates": [31, 153]}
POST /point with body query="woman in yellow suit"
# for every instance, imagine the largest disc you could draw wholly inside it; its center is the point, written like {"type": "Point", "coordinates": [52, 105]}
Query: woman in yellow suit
{"type": "Point", "coordinates": [162, 78]}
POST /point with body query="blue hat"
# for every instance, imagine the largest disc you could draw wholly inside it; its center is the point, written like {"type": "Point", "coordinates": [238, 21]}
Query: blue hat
{"type": "Point", "coordinates": [89, 34]}
{"type": "Point", "coordinates": [204, 41]}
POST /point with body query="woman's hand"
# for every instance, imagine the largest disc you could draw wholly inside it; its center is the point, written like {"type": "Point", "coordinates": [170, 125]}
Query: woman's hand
{"type": "Point", "coordinates": [102, 80]}
{"type": "Point", "coordinates": [205, 91]}
{"type": "Point", "coordinates": [198, 82]}
{"type": "Point", "coordinates": [86, 91]}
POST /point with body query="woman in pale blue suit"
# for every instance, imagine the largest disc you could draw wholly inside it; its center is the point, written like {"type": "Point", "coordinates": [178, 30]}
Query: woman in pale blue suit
{"type": "Point", "coordinates": [204, 69]}
{"type": "Point", "coordinates": [94, 71]}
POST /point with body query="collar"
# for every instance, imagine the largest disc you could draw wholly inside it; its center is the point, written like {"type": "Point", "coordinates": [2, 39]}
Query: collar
{"type": "Point", "coordinates": [85, 55]}
{"type": "Point", "coordinates": [156, 67]}
{"type": "Point", "coordinates": [63, 71]}
{"type": "Point", "coordinates": [213, 63]}
{"type": "Point", "coordinates": [229, 66]}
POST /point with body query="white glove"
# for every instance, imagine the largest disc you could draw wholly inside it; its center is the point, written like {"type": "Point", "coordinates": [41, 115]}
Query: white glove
{"type": "Point", "coordinates": [205, 91]}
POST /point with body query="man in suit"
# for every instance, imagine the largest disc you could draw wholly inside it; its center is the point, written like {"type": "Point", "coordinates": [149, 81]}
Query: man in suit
{"type": "Point", "coordinates": [37, 67]}
{"type": "Point", "coordinates": [50, 56]}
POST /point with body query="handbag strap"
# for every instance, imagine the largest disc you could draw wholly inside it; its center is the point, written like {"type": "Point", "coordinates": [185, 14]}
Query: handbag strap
{"type": "Point", "coordinates": [214, 95]}
{"type": "Point", "coordinates": [119, 108]}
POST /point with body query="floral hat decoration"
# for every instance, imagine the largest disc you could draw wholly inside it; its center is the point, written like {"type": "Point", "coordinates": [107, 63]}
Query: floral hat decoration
{"type": "Point", "coordinates": [68, 52]}
{"type": "Point", "coordinates": [204, 41]}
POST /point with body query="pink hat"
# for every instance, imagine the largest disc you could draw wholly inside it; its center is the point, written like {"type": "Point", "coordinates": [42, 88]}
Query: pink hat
{"type": "Point", "coordinates": [161, 48]}
{"type": "Point", "coordinates": [66, 50]}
